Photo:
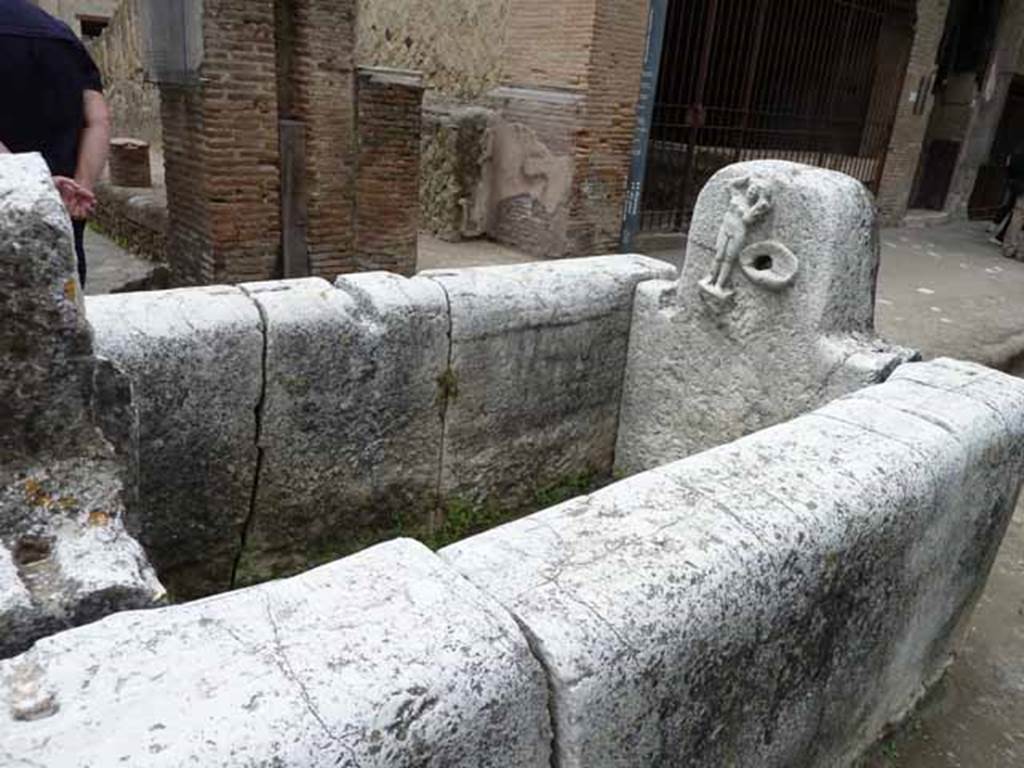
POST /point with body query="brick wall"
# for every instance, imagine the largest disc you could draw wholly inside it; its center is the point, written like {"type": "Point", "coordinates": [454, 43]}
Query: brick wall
{"type": "Point", "coordinates": [268, 60]}
{"type": "Point", "coordinates": [189, 245]}
{"type": "Point", "coordinates": [220, 151]}
{"type": "Point", "coordinates": [911, 124]}
{"type": "Point", "coordinates": [549, 44]}
{"type": "Point", "coordinates": [605, 144]}
{"type": "Point", "coordinates": [593, 49]}
{"type": "Point", "coordinates": [239, 95]}
{"type": "Point", "coordinates": [388, 177]}
{"type": "Point", "coordinates": [321, 77]}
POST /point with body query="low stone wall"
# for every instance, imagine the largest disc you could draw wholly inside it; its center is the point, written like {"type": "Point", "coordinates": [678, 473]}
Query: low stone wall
{"type": "Point", "coordinates": [776, 601]}
{"type": "Point", "coordinates": [287, 423]}
{"type": "Point", "coordinates": [136, 218]}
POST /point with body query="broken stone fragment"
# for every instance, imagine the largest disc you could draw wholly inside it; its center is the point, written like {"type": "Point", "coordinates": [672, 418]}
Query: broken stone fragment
{"type": "Point", "coordinates": [67, 433]}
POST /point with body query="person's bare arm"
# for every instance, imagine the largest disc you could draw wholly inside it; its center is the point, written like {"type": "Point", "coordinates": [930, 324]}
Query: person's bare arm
{"type": "Point", "coordinates": [95, 143]}
{"type": "Point", "coordinates": [4, 150]}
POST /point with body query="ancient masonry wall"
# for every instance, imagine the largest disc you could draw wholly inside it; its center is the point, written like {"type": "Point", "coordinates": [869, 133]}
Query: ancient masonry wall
{"type": "Point", "coordinates": [457, 44]}
{"type": "Point", "coordinates": [780, 600]}
{"type": "Point", "coordinates": [589, 53]}
{"type": "Point", "coordinates": [295, 421]}
{"type": "Point", "coordinates": [270, 60]}
{"type": "Point", "coordinates": [387, 184]}
{"type": "Point", "coordinates": [913, 113]}
{"type": "Point", "coordinates": [321, 79]}
{"type": "Point", "coordinates": [134, 103]}
{"type": "Point", "coordinates": [221, 146]}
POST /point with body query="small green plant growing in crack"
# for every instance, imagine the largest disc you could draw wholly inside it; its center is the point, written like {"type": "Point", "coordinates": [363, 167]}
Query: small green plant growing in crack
{"type": "Point", "coordinates": [448, 386]}
{"type": "Point", "coordinates": [463, 518]}
{"type": "Point", "coordinates": [569, 487]}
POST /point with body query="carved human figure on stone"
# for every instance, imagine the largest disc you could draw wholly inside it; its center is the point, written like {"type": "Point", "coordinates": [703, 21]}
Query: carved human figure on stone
{"type": "Point", "coordinates": [749, 201]}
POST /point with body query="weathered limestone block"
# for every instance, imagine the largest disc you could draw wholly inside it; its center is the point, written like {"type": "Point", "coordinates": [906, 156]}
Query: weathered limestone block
{"type": "Point", "coordinates": [773, 602]}
{"type": "Point", "coordinates": [773, 314]}
{"type": "Point", "coordinates": [350, 423]}
{"type": "Point", "coordinates": [66, 433]}
{"type": "Point", "coordinates": [385, 659]}
{"type": "Point", "coordinates": [538, 352]}
{"type": "Point", "coordinates": [195, 358]}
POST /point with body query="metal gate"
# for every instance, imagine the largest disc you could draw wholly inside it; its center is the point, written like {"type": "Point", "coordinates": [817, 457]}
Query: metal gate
{"type": "Point", "coordinates": [814, 81]}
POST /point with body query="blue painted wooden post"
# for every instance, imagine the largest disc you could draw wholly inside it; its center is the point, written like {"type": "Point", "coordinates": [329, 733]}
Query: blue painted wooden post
{"type": "Point", "coordinates": [644, 115]}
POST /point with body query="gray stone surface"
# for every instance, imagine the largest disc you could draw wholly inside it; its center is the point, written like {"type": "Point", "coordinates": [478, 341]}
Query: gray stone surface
{"type": "Point", "coordinates": [350, 423]}
{"type": "Point", "coordinates": [67, 430]}
{"type": "Point", "coordinates": [777, 601]}
{"type": "Point", "coordinates": [789, 326]}
{"type": "Point", "coordinates": [385, 659]}
{"type": "Point", "coordinates": [44, 341]}
{"type": "Point", "coordinates": [538, 352]}
{"type": "Point", "coordinates": [195, 359]}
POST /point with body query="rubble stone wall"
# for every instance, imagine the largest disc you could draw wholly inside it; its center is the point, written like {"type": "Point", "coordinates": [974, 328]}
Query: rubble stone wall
{"type": "Point", "coordinates": [134, 103]}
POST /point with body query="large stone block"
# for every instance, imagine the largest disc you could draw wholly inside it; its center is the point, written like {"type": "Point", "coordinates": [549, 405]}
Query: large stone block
{"type": "Point", "coordinates": [388, 658]}
{"type": "Point", "coordinates": [772, 316]}
{"type": "Point", "coordinates": [67, 431]}
{"type": "Point", "coordinates": [777, 601]}
{"type": "Point", "coordinates": [350, 423]}
{"type": "Point", "coordinates": [44, 341]}
{"type": "Point", "coordinates": [195, 359]}
{"type": "Point", "coordinates": [537, 360]}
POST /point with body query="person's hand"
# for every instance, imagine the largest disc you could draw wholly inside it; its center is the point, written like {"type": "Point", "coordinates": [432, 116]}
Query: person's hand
{"type": "Point", "coordinates": [79, 201]}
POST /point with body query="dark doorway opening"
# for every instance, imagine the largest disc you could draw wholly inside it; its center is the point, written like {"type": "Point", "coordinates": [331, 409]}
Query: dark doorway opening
{"type": "Point", "coordinates": [990, 186]}
{"type": "Point", "coordinates": [92, 26]}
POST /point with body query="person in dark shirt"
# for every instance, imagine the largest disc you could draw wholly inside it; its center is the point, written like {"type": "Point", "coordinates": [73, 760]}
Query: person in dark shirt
{"type": "Point", "coordinates": [52, 96]}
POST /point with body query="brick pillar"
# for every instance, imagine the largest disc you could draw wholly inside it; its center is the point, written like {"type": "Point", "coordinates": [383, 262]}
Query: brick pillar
{"type": "Point", "coordinates": [387, 184]}
{"type": "Point", "coordinates": [316, 41]}
{"type": "Point", "coordinates": [189, 245]}
{"type": "Point", "coordinates": [579, 62]}
{"type": "Point", "coordinates": [221, 151]}
{"type": "Point", "coordinates": [913, 113]}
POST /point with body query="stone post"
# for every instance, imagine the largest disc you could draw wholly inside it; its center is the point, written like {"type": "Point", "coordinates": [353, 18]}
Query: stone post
{"type": "Point", "coordinates": [66, 429]}
{"type": "Point", "coordinates": [773, 314]}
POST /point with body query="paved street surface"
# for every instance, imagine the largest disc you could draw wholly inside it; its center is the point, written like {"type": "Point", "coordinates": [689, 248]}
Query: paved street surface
{"type": "Point", "coordinates": [948, 291]}
{"type": "Point", "coordinates": [109, 265]}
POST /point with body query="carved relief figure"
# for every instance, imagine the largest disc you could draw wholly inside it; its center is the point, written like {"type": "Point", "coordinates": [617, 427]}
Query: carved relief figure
{"type": "Point", "coordinates": [749, 201]}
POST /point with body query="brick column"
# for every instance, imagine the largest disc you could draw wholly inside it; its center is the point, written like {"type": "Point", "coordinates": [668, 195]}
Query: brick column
{"type": "Point", "coordinates": [912, 115]}
{"type": "Point", "coordinates": [388, 177]}
{"type": "Point", "coordinates": [316, 53]}
{"type": "Point", "coordinates": [221, 151]}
